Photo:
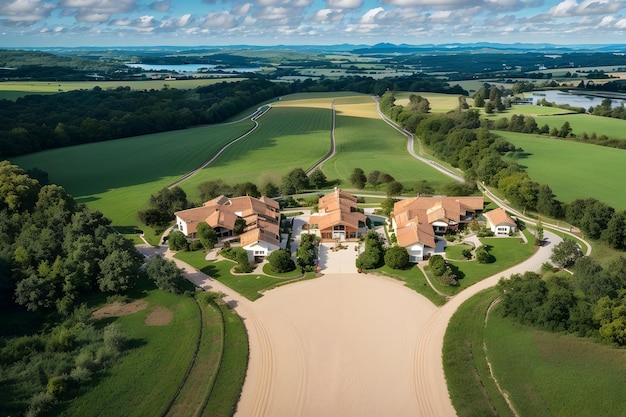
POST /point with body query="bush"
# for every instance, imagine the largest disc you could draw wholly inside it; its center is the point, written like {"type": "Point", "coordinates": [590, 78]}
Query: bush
{"type": "Point", "coordinates": [396, 257]}
{"type": "Point", "coordinates": [448, 279]}
{"type": "Point", "coordinates": [196, 245]}
{"type": "Point", "coordinates": [280, 261]}
{"type": "Point", "coordinates": [177, 241]}
{"type": "Point", "coordinates": [165, 274]}
{"type": "Point", "coordinates": [438, 265]}
{"type": "Point", "coordinates": [483, 256]}
{"type": "Point", "coordinates": [467, 253]}
{"type": "Point", "coordinates": [57, 386]}
{"type": "Point", "coordinates": [39, 403]}
{"type": "Point", "coordinates": [485, 233]}
{"type": "Point", "coordinates": [114, 337]}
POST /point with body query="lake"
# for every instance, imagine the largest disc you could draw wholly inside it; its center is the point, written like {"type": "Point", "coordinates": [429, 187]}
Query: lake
{"type": "Point", "coordinates": [188, 68]}
{"type": "Point", "coordinates": [573, 98]}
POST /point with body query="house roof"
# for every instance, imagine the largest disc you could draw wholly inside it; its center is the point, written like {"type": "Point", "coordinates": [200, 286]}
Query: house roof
{"type": "Point", "coordinates": [337, 208]}
{"type": "Point", "coordinates": [414, 233]}
{"type": "Point", "coordinates": [222, 211]}
{"type": "Point", "coordinates": [413, 217]}
{"type": "Point", "coordinates": [499, 216]}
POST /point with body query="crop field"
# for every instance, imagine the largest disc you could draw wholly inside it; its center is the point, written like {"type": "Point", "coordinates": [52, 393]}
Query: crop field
{"type": "Point", "coordinates": [573, 169]}
{"type": "Point", "coordinates": [34, 87]}
{"type": "Point", "coordinates": [289, 136]}
{"type": "Point", "coordinates": [365, 141]}
{"type": "Point", "coordinates": [555, 374]}
{"type": "Point", "coordinates": [117, 177]}
{"type": "Point", "coordinates": [439, 103]}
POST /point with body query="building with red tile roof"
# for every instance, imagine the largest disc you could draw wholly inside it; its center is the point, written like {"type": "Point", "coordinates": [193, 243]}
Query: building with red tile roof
{"type": "Point", "coordinates": [417, 221]}
{"type": "Point", "coordinates": [261, 233]}
{"type": "Point", "coordinates": [499, 222]}
{"type": "Point", "coordinates": [338, 217]}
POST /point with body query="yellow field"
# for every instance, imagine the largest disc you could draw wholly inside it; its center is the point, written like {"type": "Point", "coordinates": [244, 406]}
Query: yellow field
{"type": "Point", "coordinates": [438, 102]}
{"type": "Point", "coordinates": [53, 87]}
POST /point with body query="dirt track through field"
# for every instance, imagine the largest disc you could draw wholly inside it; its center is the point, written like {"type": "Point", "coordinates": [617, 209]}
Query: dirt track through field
{"type": "Point", "coordinates": [348, 344]}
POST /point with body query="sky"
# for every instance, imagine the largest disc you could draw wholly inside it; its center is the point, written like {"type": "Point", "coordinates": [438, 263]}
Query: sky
{"type": "Point", "coordinates": [71, 23]}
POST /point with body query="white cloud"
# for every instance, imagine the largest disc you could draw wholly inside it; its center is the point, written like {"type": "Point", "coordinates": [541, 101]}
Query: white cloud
{"type": "Point", "coordinates": [25, 11]}
{"type": "Point", "coordinates": [161, 6]}
{"type": "Point", "coordinates": [328, 15]}
{"type": "Point", "coordinates": [241, 9]}
{"type": "Point", "coordinates": [570, 8]}
{"type": "Point", "coordinates": [344, 4]}
{"type": "Point", "coordinates": [96, 11]}
{"type": "Point", "coordinates": [219, 20]}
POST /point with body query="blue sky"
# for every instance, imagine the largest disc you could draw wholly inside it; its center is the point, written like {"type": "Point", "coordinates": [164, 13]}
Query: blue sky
{"type": "Point", "coordinates": [36, 23]}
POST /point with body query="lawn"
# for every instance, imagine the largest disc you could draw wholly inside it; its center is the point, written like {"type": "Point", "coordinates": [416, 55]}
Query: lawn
{"type": "Point", "coordinates": [507, 252]}
{"type": "Point", "coordinates": [146, 378]}
{"type": "Point", "coordinates": [414, 279]}
{"type": "Point", "coordinates": [365, 141]}
{"type": "Point", "coordinates": [455, 252]}
{"type": "Point", "coordinates": [573, 169]}
{"type": "Point", "coordinates": [529, 110]}
{"type": "Point", "coordinates": [556, 374]}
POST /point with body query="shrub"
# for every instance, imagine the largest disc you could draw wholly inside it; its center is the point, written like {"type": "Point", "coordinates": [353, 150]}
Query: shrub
{"type": "Point", "coordinates": [483, 256]}
{"type": "Point", "coordinates": [177, 241]}
{"type": "Point", "coordinates": [39, 403]}
{"type": "Point", "coordinates": [448, 279]}
{"type": "Point", "coordinates": [165, 274]}
{"type": "Point", "coordinates": [57, 386]}
{"type": "Point", "coordinates": [114, 337]}
{"type": "Point", "coordinates": [196, 245]}
{"type": "Point", "coordinates": [280, 261]}
{"type": "Point", "coordinates": [396, 257]}
{"type": "Point", "coordinates": [438, 265]}
{"type": "Point", "coordinates": [485, 233]}
{"type": "Point", "coordinates": [467, 253]}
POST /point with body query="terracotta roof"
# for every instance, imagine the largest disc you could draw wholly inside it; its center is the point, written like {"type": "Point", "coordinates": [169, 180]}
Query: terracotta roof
{"type": "Point", "coordinates": [499, 216]}
{"type": "Point", "coordinates": [415, 214]}
{"type": "Point", "coordinates": [337, 208]}
{"type": "Point", "coordinates": [223, 212]}
{"type": "Point", "coordinates": [416, 233]}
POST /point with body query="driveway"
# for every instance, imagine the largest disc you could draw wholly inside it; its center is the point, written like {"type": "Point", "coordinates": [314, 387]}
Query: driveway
{"type": "Point", "coordinates": [339, 261]}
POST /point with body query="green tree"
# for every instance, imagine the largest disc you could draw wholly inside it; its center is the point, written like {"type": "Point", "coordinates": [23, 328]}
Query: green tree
{"type": "Point", "coordinates": [373, 178]}
{"type": "Point", "coordinates": [17, 190]}
{"type": "Point", "coordinates": [177, 241]}
{"type": "Point", "coordinates": [240, 226]}
{"type": "Point", "coordinates": [437, 265]}
{"type": "Point", "coordinates": [294, 182]}
{"type": "Point", "coordinates": [565, 253]}
{"type": "Point", "coordinates": [539, 234]}
{"type": "Point", "coordinates": [483, 256]}
{"type": "Point", "coordinates": [615, 233]}
{"type": "Point", "coordinates": [394, 188]}
{"type": "Point", "coordinates": [280, 261]}
{"type": "Point", "coordinates": [165, 274]}
{"type": "Point", "coordinates": [318, 179]}
{"type": "Point", "coordinates": [358, 178]}
{"type": "Point", "coordinates": [119, 272]}
{"type": "Point", "coordinates": [207, 235]}
{"type": "Point", "coordinates": [396, 257]}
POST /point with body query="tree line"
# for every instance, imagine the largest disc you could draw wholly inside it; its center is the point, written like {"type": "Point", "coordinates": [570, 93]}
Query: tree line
{"type": "Point", "coordinates": [38, 122]}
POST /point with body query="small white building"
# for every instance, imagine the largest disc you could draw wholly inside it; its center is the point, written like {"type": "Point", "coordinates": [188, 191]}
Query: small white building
{"type": "Point", "coordinates": [499, 222]}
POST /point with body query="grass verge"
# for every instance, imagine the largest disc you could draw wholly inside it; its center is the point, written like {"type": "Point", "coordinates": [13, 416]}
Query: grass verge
{"type": "Point", "coordinates": [414, 279]}
{"type": "Point", "coordinates": [472, 391]}
{"type": "Point", "coordinates": [232, 372]}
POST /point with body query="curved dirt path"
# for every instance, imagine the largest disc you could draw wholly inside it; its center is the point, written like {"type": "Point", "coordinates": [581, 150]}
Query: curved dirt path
{"type": "Point", "coordinates": [348, 345]}
{"type": "Point", "coordinates": [333, 147]}
{"type": "Point", "coordinates": [410, 146]}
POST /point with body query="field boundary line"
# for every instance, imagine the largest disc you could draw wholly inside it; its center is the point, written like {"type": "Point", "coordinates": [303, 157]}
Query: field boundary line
{"type": "Point", "coordinates": [333, 147]}
{"type": "Point", "coordinates": [253, 117]}
{"type": "Point", "coordinates": [411, 143]}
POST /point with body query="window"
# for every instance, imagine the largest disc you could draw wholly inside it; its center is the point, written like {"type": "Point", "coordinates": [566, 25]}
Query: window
{"type": "Point", "coordinates": [259, 253]}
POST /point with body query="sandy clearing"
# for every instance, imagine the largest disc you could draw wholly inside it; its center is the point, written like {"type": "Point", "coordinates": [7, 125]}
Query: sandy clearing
{"type": "Point", "coordinates": [117, 309]}
{"type": "Point", "coordinates": [341, 345]}
{"type": "Point", "coordinates": [159, 316]}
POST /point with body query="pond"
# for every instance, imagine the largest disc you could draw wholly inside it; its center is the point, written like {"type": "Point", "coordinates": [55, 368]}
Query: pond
{"type": "Point", "coordinates": [572, 97]}
{"type": "Point", "coordinates": [189, 68]}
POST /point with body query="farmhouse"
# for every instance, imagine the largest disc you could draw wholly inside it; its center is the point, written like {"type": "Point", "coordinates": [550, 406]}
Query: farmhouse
{"type": "Point", "coordinates": [499, 222]}
{"type": "Point", "coordinates": [418, 221]}
{"type": "Point", "coordinates": [258, 218]}
{"type": "Point", "coordinates": [338, 217]}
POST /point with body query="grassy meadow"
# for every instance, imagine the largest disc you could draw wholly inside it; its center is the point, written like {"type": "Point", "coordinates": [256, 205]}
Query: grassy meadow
{"type": "Point", "coordinates": [11, 90]}
{"type": "Point", "coordinates": [364, 141]}
{"type": "Point", "coordinates": [439, 103]}
{"type": "Point", "coordinates": [573, 169]}
{"type": "Point", "coordinates": [556, 374]}
{"type": "Point", "coordinates": [117, 177]}
{"type": "Point", "coordinates": [149, 372]}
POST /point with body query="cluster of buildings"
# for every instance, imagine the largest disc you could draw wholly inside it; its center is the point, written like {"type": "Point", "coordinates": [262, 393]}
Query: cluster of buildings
{"type": "Point", "coordinates": [418, 223]}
